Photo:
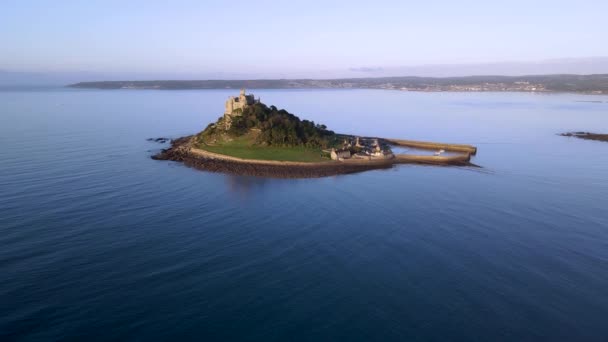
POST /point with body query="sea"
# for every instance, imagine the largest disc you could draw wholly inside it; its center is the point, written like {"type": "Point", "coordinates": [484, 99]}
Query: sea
{"type": "Point", "coordinates": [98, 242]}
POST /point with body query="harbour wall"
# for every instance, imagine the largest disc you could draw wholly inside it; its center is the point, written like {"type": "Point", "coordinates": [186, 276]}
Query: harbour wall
{"type": "Point", "coordinates": [427, 145]}
{"type": "Point", "coordinates": [461, 159]}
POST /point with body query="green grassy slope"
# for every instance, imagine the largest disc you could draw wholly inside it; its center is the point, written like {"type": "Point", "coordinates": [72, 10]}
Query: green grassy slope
{"type": "Point", "coordinates": [242, 147]}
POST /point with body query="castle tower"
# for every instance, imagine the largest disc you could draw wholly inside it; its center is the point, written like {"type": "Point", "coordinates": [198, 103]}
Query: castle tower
{"type": "Point", "coordinates": [235, 106]}
{"type": "Point", "coordinates": [229, 106]}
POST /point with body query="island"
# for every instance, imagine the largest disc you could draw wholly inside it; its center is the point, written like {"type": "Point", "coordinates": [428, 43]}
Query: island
{"type": "Point", "coordinates": [254, 139]}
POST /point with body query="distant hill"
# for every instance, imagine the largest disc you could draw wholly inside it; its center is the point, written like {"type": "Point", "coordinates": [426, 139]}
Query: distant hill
{"type": "Point", "coordinates": [538, 83]}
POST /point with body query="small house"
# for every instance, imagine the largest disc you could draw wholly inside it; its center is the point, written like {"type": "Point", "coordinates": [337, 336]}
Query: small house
{"type": "Point", "coordinates": [339, 154]}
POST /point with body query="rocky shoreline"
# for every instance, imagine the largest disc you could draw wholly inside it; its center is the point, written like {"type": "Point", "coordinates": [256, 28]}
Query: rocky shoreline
{"type": "Point", "coordinates": [586, 136]}
{"type": "Point", "coordinates": [180, 151]}
{"type": "Point", "coordinates": [183, 151]}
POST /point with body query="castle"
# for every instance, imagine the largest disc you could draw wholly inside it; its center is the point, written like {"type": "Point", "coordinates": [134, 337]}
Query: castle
{"type": "Point", "coordinates": [235, 106]}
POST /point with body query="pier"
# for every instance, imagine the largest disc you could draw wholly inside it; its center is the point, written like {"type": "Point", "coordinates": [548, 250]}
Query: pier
{"type": "Point", "coordinates": [427, 145]}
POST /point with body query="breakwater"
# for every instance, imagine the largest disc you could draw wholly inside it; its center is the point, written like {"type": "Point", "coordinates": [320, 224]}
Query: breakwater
{"type": "Point", "coordinates": [461, 159]}
{"type": "Point", "coordinates": [428, 145]}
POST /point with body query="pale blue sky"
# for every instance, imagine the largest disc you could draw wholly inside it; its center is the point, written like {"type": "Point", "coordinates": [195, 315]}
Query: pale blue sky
{"type": "Point", "coordinates": [291, 36]}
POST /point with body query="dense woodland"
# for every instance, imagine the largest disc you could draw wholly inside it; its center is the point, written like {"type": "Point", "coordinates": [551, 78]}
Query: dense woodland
{"type": "Point", "coordinates": [277, 128]}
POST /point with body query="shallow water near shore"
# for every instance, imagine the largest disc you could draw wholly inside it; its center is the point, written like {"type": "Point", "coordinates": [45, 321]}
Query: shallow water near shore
{"type": "Point", "coordinates": [100, 242]}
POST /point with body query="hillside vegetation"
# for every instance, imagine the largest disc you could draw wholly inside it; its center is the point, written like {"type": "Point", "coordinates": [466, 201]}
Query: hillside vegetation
{"type": "Point", "coordinates": [269, 126]}
{"type": "Point", "coordinates": [268, 133]}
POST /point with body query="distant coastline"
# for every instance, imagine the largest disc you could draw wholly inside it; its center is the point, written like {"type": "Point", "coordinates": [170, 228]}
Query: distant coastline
{"type": "Point", "coordinates": [587, 84]}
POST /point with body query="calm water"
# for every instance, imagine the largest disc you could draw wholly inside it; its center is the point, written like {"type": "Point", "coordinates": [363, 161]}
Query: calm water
{"type": "Point", "coordinates": [99, 242]}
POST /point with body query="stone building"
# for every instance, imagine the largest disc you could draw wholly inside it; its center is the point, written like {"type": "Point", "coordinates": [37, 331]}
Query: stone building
{"type": "Point", "coordinates": [357, 143]}
{"type": "Point", "coordinates": [340, 154]}
{"type": "Point", "coordinates": [236, 105]}
{"type": "Point", "coordinates": [377, 152]}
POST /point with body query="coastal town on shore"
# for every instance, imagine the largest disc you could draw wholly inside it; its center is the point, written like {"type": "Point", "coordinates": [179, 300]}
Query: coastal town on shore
{"type": "Point", "coordinates": [362, 149]}
{"type": "Point", "coordinates": [584, 84]}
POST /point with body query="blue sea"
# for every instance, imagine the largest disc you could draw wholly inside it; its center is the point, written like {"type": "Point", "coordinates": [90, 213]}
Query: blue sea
{"type": "Point", "coordinates": [98, 242]}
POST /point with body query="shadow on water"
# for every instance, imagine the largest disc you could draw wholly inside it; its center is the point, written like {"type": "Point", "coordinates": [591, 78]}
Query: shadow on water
{"type": "Point", "coordinates": [244, 185]}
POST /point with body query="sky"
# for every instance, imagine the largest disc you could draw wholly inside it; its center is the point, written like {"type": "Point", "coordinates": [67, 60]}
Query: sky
{"type": "Point", "coordinates": [291, 37]}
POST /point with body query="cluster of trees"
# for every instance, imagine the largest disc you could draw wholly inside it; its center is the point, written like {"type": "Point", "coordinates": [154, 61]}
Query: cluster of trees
{"type": "Point", "coordinates": [280, 128]}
